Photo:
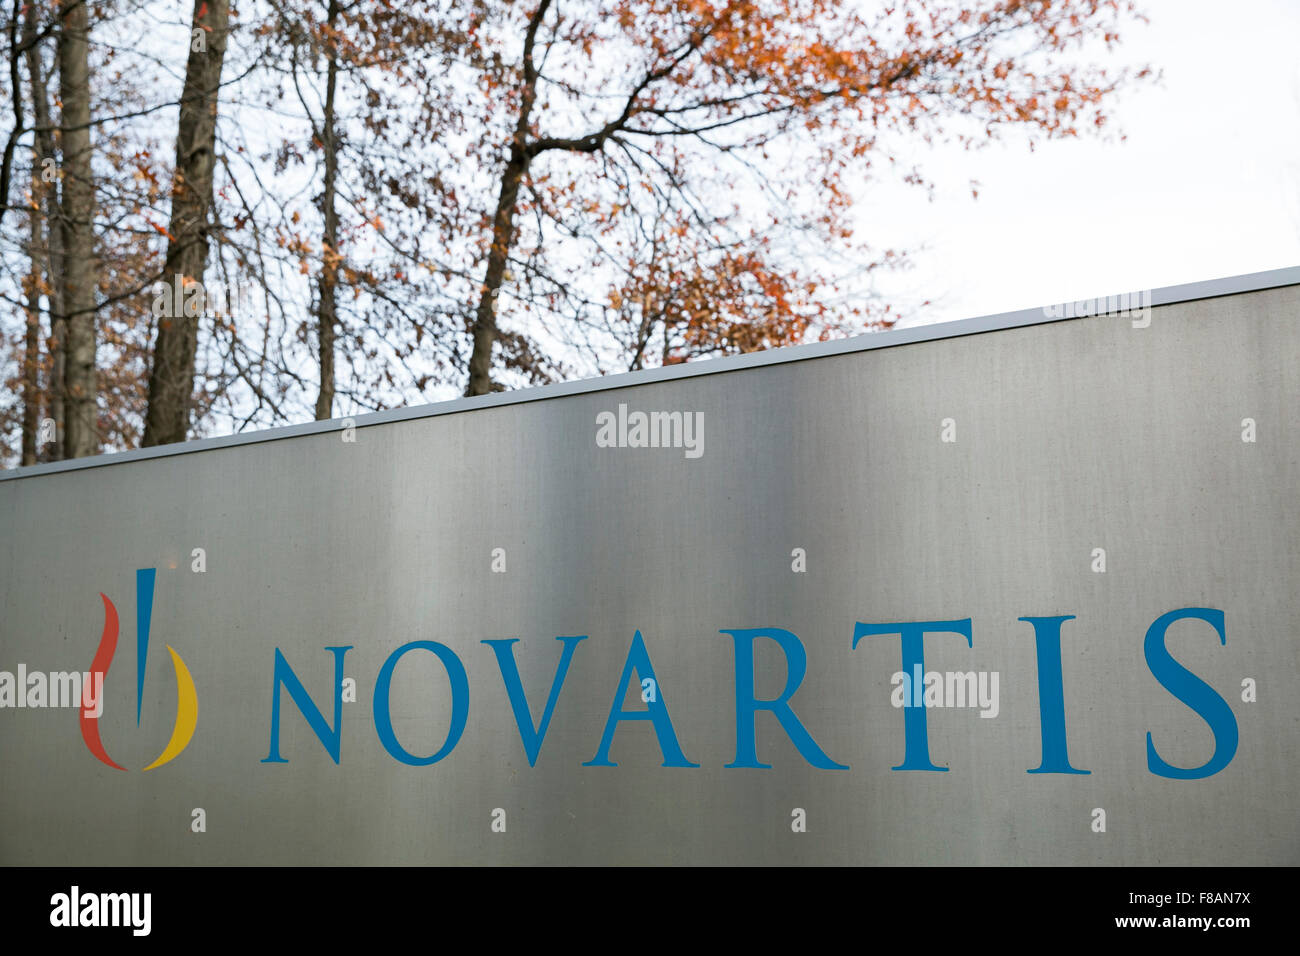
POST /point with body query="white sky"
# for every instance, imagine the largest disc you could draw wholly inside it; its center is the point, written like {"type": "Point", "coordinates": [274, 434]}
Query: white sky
{"type": "Point", "coordinates": [1206, 185]}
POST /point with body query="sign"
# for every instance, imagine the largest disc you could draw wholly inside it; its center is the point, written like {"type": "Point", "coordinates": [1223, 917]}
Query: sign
{"type": "Point", "coordinates": [1012, 591]}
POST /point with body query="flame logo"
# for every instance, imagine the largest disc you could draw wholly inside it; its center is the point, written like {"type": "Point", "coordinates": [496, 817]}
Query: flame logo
{"type": "Point", "coordinates": [187, 701]}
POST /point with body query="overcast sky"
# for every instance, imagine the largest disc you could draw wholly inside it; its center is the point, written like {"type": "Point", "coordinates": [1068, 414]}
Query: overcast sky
{"type": "Point", "coordinates": [1205, 186]}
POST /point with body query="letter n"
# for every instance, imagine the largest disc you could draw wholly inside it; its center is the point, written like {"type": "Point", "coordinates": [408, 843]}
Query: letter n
{"type": "Point", "coordinates": [284, 677]}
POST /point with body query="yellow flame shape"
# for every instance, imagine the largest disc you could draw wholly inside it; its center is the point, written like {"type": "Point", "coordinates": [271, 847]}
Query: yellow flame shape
{"type": "Point", "coordinates": [187, 713]}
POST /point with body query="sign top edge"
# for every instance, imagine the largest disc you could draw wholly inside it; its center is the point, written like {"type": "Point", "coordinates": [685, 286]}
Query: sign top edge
{"type": "Point", "coordinates": [868, 341]}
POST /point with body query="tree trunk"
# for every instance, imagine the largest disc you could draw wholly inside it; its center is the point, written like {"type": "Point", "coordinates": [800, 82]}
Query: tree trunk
{"type": "Point", "coordinates": [485, 317]}
{"type": "Point", "coordinates": [503, 223]}
{"type": "Point", "coordinates": [80, 272]}
{"type": "Point", "coordinates": [327, 313]}
{"type": "Point", "coordinates": [31, 383]}
{"type": "Point", "coordinates": [32, 341]}
{"type": "Point", "coordinates": [171, 380]}
{"type": "Point", "coordinates": [46, 193]}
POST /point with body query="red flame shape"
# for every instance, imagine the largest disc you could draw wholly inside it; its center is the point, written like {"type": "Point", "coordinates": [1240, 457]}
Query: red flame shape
{"type": "Point", "coordinates": [103, 657]}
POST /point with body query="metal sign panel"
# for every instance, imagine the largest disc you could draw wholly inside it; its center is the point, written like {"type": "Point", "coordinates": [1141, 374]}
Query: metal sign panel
{"type": "Point", "coordinates": [1019, 597]}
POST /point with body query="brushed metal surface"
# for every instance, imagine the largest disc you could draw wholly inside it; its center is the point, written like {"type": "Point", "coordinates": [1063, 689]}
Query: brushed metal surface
{"type": "Point", "coordinates": [1071, 435]}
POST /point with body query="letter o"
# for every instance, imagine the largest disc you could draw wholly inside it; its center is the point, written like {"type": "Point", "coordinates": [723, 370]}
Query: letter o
{"type": "Point", "coordinates": [459, 702]}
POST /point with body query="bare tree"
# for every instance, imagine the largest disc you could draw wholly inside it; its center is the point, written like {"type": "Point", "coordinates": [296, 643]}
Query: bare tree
{"type": "Point", "coordinates": [80, 271]}
{"type": "Point", "coordinates": [46, 254]}
{"type": "Point", "coordinates": [171, 381]}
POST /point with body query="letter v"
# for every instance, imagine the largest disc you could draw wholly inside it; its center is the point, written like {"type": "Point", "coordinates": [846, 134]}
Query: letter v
{"type": "Point", "coordinates": [532, 738]}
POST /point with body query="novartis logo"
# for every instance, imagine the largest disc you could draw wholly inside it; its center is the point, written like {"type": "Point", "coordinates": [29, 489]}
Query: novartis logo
{"type": "Point", "coordinates": [187, 702]}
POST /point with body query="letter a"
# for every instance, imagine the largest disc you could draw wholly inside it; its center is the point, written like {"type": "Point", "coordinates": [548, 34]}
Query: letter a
{"type": "Point", "coordinates": [656, 712]}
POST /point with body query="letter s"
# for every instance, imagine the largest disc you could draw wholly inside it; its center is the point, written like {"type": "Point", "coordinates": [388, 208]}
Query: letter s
{"type": "Point", "coordinates": [1193, 692]}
